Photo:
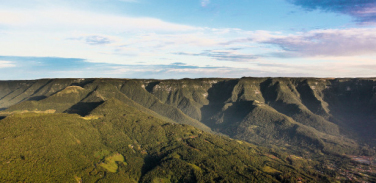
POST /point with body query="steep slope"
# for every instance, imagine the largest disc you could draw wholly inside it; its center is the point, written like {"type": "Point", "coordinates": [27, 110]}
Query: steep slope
{"type": "Point", "coordinates": [231, 106]}
{"type": "Point", "coordinates": [282, 95]}
{"type": "Point", "coordinates": [134, 90]}
{"type": "Point", "coordinates": [352, 106]}
{"type": "Point", "coordinates": [82, 97]}
{"type": "Point", "coordinates": [187, 95]}
{"type": "Point", "coordinates": [13, 92]}
{"type": "Point", "coordinates": [265, 125]}
{"type": "Point", "coordinates": [58, 102]}
{"type": "Point", "coordinates": [118, 143]}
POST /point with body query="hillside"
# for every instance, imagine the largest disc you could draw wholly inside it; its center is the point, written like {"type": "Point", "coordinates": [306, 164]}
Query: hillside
{"type": "Point", "coordinates": [118, 143]}
{"type": "Point", "coordinates": [331, 110]}
{"type": "Point", "coordinates": [319, 119]}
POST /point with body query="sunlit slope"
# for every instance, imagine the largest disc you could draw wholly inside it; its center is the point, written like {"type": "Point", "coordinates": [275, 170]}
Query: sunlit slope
{"type": "Point", "coordinates": [83, 97]}
{"type": "Point", "coordinates": [119, 143]}
{"type": "Point", "coordinates": [13, 92]}
{"type": "Point", "coordinates": [58, 102]}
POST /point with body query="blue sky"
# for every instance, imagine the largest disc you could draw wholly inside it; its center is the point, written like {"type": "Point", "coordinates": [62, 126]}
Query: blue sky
{"type": "Point", "coordinates": [187, 38]}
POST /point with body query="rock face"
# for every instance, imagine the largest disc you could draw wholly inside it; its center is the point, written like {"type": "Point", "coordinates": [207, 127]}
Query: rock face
{"type": "Point", "coordinates": [329, 115]}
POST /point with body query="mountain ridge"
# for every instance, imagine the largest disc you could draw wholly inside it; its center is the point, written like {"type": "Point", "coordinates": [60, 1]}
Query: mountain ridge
{"type": "Point", "coordinates": [218, 104]}
{"type": "Point", "coordinates": [299, 121]}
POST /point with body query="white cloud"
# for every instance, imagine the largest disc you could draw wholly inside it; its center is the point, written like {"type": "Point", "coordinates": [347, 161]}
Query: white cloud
{"type": "Point", "coordinates": [12, 18]}
{"type": "Point", "coordinates": [331, 42]}
{"type": "Point", "coordinates": [73, 19]}
{"type": "Point", "coordinates": [124, 40]}
{"type": "Point", "coordinates": [6, 64]}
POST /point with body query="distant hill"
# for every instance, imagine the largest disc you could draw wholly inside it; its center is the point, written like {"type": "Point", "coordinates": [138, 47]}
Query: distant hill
{"type": "Point", "coordinates": [97, 127]}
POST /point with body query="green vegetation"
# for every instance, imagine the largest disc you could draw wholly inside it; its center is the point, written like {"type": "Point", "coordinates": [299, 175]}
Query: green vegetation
{"type": "Point", "coordinates": [110, 163]}
{"type": "Point", "coordinates": [119, 130]}
{"type": "Point", "coordinates": [127, 145]}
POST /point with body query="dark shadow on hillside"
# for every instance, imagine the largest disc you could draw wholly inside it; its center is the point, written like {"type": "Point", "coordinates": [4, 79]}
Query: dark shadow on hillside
{"type": "Point", "coordinates": [150, 162]}
{"type": "Point", "coordinates": [21, 92]}
{"type": "Point", "coordinates": [234, 114]}
{"type": "Point", "coordinates": [83, 108]}
{"type": "Point", "coordinates": [308, 98]}
{"type": "Point", "coordinates": [2, 117]}
{"type": "Point", "coordinates": [35, 92]}
{"type": "Point", "coordinates": [218, 94]}
{"type": "Point", "coordinates": [40, 88]}
{"type": "Point", "coordinates": [36, 98]}
{"type": "Point", "coordinates": [84, 82]}
{"type": "Point", "coordinates": [151, 85]}
{"type": "Point", "coordinates": [352, 106]}
{"type": "Point", "coordinates": [268, 92]}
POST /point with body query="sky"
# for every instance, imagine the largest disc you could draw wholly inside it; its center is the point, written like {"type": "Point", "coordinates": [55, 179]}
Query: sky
{"type": "Point", "coordinates": [166, 39]}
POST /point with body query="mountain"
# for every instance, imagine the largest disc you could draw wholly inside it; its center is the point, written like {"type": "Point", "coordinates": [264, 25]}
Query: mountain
{"type": "Point", "coordinates": [119, 143]}
{"type": "Point", "coordinates": [217, 129]}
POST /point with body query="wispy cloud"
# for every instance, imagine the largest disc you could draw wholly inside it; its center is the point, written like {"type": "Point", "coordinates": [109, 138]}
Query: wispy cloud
{"type": "Point", "coordinates": [155, 44]}
{"type": "Point", "coordinates": [363, 10]}
{"type": "Point", "coordinates": [315, 43]}
{"type": "Point", "coordinates": [69, 18]}
{"type": "Point", "coordinates": [94, 39]}
{"type": "Point", "coordinates": [44, 67]}
{"type": "Point", "coordinates": [331, 42]}
{"type": "Point", "coordinates": [222, 55]}
{"type": "Point", "coordinates": [181, 70]}
{"type": "Point", "coordinates": [5, 64]}
{"type": "Point", "coordinates": [57, 67]}
{"type": "Point", "coordinates": [205, 3]}
{"type": "Point", "coordinates": [97, 40]}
